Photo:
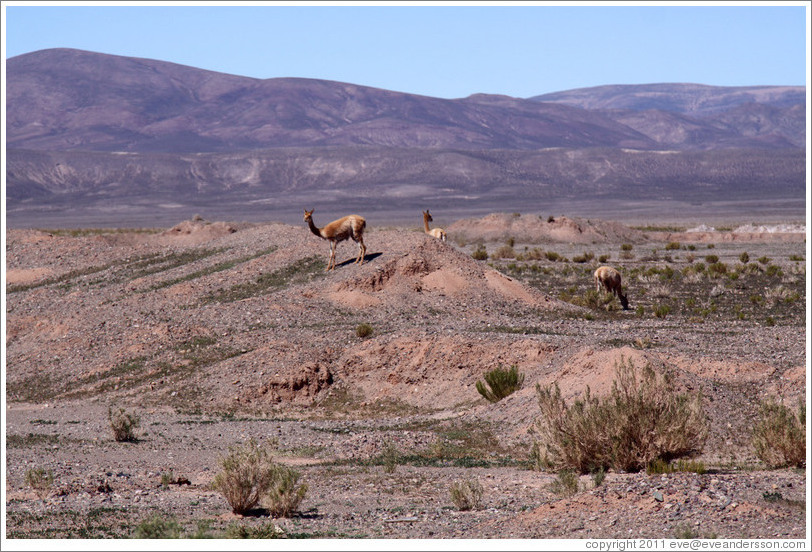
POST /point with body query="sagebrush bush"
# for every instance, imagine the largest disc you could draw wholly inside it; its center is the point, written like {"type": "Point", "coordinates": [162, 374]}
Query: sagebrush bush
{"type": "Point", "coordinates": [779, 435]}
{"type": "Point", "coordinates": [40, 481]}
{"type": "Point", "coordinates": [584, 257]}
{"type": "Point", "coordinates": [159, 527]}
{"type": "Point", "coordinates": [565, 484]}
{"type": "Point", "coordinates": [363, 330]}
{"type": "Point", "coordinates": [504, 252]}
{"type": "Point", "coordinates": [123, 424]}
{"type": "Point", "coordinates": [250, 477]}
{"type": "Point", "coordinates": [641, 420]}
{"type": "Point", "coordinates": [285, 493]}
{"type": "Point", "coordinates": [480, 253]}
{"type": "Point", "coordinates": [467, 495]}
{"type": "Point", "coordinates": [501, 383]}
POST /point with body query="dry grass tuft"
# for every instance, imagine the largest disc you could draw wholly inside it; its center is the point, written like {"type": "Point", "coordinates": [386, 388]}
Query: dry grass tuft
{"type": "Point", "coordinates": [467, 495]}
{"type": "Point", "coordinates": [779, 435]}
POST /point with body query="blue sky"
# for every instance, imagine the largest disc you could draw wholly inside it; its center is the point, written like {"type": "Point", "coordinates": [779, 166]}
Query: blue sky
{"type": "Point", "coordinates": [446, 51]}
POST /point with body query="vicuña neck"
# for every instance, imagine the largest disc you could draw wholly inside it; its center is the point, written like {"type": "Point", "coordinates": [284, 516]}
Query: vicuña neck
{"type": "Point", "coordinates": [426, 222]}
{"type": "Point", "coordinates": [313, 228]}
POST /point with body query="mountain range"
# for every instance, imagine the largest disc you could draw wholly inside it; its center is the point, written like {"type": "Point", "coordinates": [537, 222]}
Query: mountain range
{"type": "Point", "coordinates": [86, 130]}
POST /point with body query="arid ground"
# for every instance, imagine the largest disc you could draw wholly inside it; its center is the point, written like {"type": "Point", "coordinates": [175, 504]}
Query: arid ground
{"type": "Point", "coordinates": [214, 333]}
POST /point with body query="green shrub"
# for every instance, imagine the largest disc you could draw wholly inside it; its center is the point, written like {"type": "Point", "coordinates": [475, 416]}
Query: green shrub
{"type": "Point", "coordinates": [584, 257]}
{"type": "Point", "coordinates": [250, 477]}
{"type": "Point", "coordinates": [661, 311]}
{"type": "Point", "coordinates": [671, 246]}
{"type": "Point", "coordinates": [596, 300]}
{"type": "Point", "coordinates": [552, 256]}
{"type": "Point", "coordinates": [779, 435]}
{"type": "Point", "coordinates": [626, 247]}
{"type": "Point", "coordinates": [501, 383]}
{"type": "Point", "coordinates": [266, 531]}
{"type": "Point", "coordinates": [504, 252]}
{"type": "Point", "coordinates": [363, 330]}
{"type": "Point", "coordinates": [390, 457]}
{"type": "Point", "coordinates": [467, 495]}
{"type": "Point", "coordinates": [717, 269]}
{"type": "Point", "coordinates": [123, 424]}
{"type": "Point", "coordinates": [641, 420]}
{"type": "Point", "coordinates": [774, 270]}
{"type": "Point", "coordinates": [246, 476]}
{"type": "Point", "coordinates": [598, 476]}
{"type": "Point", "coordinates": [40, 481]}
{"type": "Point", "coordinates": [159, 527]}
{"type": "Point", "coordinates": [744, 257]}
{"type": "Point", "coordinates": [711, 259]}
{"type": "Point", "coordinates": [285, 493]}
{"type": "Point", "coordinates": [480, 253]}
{"type": "Point", "coordinates": [534, 254]}
{"type": "Point", "coordinates": [565, 484]}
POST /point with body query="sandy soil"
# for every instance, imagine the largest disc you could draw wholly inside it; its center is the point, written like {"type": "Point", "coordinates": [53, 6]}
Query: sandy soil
{"type": "Point", "coordinates": [215, 333]}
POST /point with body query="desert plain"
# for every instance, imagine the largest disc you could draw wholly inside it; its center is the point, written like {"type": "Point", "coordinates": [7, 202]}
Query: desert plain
{"type": "Point", "coordinates": [213, 333]}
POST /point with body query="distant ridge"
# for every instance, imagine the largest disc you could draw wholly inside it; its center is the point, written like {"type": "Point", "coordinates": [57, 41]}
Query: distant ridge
{"type": "Point", "coordinates": [65, 99]}
{"type": "Point", "coordinates": [197, 137]}
{"type": "Point", "coordinates": [697, 99]}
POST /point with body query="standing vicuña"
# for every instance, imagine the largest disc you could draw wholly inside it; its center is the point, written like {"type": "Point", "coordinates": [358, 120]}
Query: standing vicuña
{"type": "Point", "coordinates": [438, 233]}
{"type": "Point", "coordinates": [608, 278]}
{"type": "Point", "coordinates": [351, 226]}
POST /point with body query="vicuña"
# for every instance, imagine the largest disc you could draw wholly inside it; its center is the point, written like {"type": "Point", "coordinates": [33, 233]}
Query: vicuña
{"type": "Point", "coordinates": [438, 233]}
{"type": "Point", "coordinates": [608, 278]}
{"type": "Point", "coordinates": [351, 226]}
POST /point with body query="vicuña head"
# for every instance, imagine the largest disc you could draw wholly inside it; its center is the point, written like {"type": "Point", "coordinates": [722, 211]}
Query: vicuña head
{"type": "Point", "coordinates": [351, 226]}
{"type": "Point", "coordinates": [438, 233]}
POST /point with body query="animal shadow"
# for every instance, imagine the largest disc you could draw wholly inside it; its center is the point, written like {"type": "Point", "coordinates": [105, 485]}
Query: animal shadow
{"type": "Point", "coordinates": [367, 258]}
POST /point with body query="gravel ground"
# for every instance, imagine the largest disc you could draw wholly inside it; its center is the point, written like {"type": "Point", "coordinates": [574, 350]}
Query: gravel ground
{"type": "Point", "coordinates": [215, 333]}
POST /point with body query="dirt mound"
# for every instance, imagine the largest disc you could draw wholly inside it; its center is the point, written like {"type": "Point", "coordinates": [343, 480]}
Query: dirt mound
{"type": "Point", "coordinates": [534, 229]}
{"type": "Point", "coordinates": [432, 371]}
{"type": "Point", "coordinates": [198, 230]}
{"type": "Point", "coordinates": [430, 267]}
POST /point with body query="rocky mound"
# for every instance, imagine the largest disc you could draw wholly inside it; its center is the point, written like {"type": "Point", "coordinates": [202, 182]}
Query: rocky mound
{"type": "Point", "coordinates": [426, 270]}
{"type": "Point", "coordinates": [535, 229]}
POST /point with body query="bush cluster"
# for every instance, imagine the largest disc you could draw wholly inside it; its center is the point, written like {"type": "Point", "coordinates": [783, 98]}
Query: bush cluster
{"type": "Point", "coordinates": [643, 419]}
{"type": "Point", "coordinates": [779, 435]}
{"type": "Point", "coordinates": [250, 477]}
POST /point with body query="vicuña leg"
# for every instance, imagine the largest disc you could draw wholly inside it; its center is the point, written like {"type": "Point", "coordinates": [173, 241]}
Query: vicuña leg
{"type": "Point", "coordinates": [362, 249]}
